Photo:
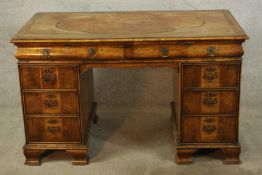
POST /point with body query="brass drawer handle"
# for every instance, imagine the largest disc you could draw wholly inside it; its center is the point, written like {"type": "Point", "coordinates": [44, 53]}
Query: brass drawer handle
{"type": "Point", "coordinates": [46, 53]}
{"type": "Point", "coordinates": [49, 76]}
{"type": "Point", "coordinates": [92, 52]}
{"type": "Point", "coordinates": [164, 52]}
{"type": "Point", "coordinates": [211, 51]}
{"type": "Point", "coordinates": [210, 99]}
{"type": "Point", "coordinates": [51, 102]}
{"type": "Point", "coordinates": [210, 73]}
{"type": "Point", "coordinates": [209, 128]}
{"type": "Point", "coordinates": [53, 129]}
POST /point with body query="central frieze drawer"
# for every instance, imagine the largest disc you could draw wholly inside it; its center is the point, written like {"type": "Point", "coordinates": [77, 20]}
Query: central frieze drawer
{"type": "Point", "coordinates": [183, 50]}
{"type": "Point", "coordinates": [132, 51]}
{"type": "Point", "coordinates": [50, 103]}
{"type": "Point", "coordinates": [71, 52]}
{"type": "Point", "coordinates": [53, 129]}
{"type": "Point", "coordinates": [211, 75]}
{"type": "Point", "coordinates": [198, 102]}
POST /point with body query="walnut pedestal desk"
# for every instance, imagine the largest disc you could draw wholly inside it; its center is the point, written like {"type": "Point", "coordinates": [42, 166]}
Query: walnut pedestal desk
{"type": "Point", "coordinates": [56, 53]}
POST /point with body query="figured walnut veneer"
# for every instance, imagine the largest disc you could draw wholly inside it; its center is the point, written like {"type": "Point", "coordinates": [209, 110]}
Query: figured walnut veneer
{"type": "Point", "coordinates": [57, 53]}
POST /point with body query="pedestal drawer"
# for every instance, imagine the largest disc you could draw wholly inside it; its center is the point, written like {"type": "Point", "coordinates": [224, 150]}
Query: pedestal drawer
{"type": "Point", "coordinates": [48, 77]}
{"type": "Point", "coordinates": [53, 129]}
{"type": "Point", "coordinates": [211, 75]}
{"type": "Point", "coordinates": [209, 129]}
{"type": "Point", "coordinates": [196, 102]}
{"type": "Point", "coordinates": [50, 102]}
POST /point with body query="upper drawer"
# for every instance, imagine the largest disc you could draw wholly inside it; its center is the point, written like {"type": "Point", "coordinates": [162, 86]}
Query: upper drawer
{"type": "Point", "coordinates": [70, 52]}
{"type": "Point", "coordinates": [131, 51]}
{"type": "Point", "coordinates": [211, 75]}
{"type": "Point", "coordinates": [48, 77]}
{"type": "Point", "coordinates": [183, 50]}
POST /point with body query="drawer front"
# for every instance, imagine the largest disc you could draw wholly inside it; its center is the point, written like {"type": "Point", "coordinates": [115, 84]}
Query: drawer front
{"type": "Point", "coordinates": [210, 102]}
{"type": "Point", "coordinates": [209, 129]}
{"type": "Point", "coordinates": [132, 50]}
{"type": "Point", "coordinates": [183, 50]}
{"type": "Point", "coordinates": [50, 103]}
{"type": "Point", "coordinates": [53, 129]}
{"type": "Point", "coordinates": [105, 52]}
{"type": "Point", "coordinates": [211, 75]}
{"type": "Point", "coordinates": [71, 52]}
{"type": "Point", "coordinates": [44, 77]}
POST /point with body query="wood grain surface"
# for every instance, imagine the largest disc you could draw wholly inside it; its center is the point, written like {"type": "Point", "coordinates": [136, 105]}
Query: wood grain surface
{"type": "Point", "coordinates": [131, 26]}
{"type": "Point", "coordinates": [58, 51]}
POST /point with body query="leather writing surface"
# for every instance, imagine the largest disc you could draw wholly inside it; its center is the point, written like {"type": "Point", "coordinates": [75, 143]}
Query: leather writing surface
{"type": "Point", "coordinates": [175, 25]}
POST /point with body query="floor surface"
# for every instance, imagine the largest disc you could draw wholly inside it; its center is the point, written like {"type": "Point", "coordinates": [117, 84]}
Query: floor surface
{"type": "Point", "coordinates": [131, 141]}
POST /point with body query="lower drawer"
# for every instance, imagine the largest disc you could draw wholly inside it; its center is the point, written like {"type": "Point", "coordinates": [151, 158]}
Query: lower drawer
{"type": "Point", "coordinates": [209, 129]}
{"type": "Point", "coordinates": [53, 129]}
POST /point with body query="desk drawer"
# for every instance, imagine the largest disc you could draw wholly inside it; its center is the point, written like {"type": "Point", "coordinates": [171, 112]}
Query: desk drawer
{"type": "Point", "coordinates": [209, 129]}
{"type": "Point", "coordinates": [70, 52]}
{"type": "Point", "coordinates": [48, 77]}
{"type": "Point", "coordinates": [178, 50]}
{"type": "Point", "coordinates": [211, 75]}
{"type": "Point", "coordinates": [53, 129]}
{"type": "Point", "coordinates": [50, 103]}
{"type": "Point", "coordinates": [198, 102]}
{"type": "Point", "coordinates": [131, 51]}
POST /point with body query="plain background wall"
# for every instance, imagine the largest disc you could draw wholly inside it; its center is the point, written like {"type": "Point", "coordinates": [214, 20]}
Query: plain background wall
{"type": "Point", "coordinates": [137, 87]}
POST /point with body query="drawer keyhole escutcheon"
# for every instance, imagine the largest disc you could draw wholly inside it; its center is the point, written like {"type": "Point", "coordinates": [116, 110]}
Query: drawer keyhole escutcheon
{"type": "Point", "coordinates": [92, 52]}
{"type": "Point", "coordinates": [53, 129]}
{"type": "Point", "coordinates": [52, 121]}
{"type": "Point", "coordinates": [46, 53]}
{"type": "Point", "coordinates": [209, 128]}
{"type": "Point", "coordinates": [210, 99]}
{"type": "Point", "coordinates": [164, 52]}
{"type": "Point", "coordinates": [210, 73]}
{"type": "Point", "coordinates": [49, 76]}
{"type": "Point", "coordinates": [51, 101]}
{"type": "Point", "coordinates": [211, 51]}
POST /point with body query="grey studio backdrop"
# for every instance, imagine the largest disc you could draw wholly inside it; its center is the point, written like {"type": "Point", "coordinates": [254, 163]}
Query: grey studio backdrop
{"type": "Point", "coordinates": [132, 93]}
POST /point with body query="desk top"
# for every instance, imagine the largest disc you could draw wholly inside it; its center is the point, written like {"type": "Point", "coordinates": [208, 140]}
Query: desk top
{"type": "Point", "coordinates": [131, 26]}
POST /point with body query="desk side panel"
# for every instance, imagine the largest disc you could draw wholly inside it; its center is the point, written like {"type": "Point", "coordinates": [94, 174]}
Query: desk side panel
{"type": "Point", "coordinates": [176, 105]}
{"type": "Point", "coordinates": [87, 104]}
